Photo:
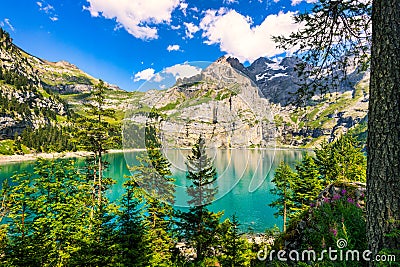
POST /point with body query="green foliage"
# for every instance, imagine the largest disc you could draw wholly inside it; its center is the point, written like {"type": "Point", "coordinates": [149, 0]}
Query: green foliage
{"type": "Point", "coordinates": [224, 94]}
{"type": "Point", "coordinates": [342, 160]}
{"type": "Point", "coordinates": [131, 231]}
{"type": "Point", "coordinates": [7, 147]}
{"type": "Point", "coordinates": [152, 183]}
{"type": "Point", "coordinates": [336, 34]}
{"type": "Point", "coordinates": [340, 218]}
{"type": "Point", "coordinates": [235, 250]}
{"type": "Point", "coordinates": [339, 161]}
{"type": "Point", "coordinates": [199, 225]}
{"type": "Point", "coordinates": [47, 215]}
{"type": "Point", "coordinates": [202, 174]}
{"type": "Point", "coordinates": [360, 132]}
{"type": "Point", "coordinates": [278, 120]}
{"type": "Point", "coordinates": [170, 106]}
{"type": "Point", "coordinates": [48, 139]}
{"type": "Point", "coordinates": [283, 179]}
{"type": "Point", "coordinates": [307, 184]}
{"type": "Point", "coordinates": [96, 134]}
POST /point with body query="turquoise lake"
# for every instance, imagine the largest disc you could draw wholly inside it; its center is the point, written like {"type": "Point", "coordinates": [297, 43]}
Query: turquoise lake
{"type": "Point", "coordinates": [244, 180]}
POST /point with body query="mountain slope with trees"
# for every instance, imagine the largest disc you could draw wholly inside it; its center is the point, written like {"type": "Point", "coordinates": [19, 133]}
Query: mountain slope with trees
{"type": "Point", "coordinates": [40, 98]}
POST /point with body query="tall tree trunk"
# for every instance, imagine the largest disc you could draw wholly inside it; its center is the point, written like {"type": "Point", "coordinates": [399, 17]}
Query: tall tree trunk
{"type": "Point", "coordinates": [383, 173]}
{"type": "Point", "coordinates": [100, 178]}
{"type": "Point", "coordinates": [284, 216]}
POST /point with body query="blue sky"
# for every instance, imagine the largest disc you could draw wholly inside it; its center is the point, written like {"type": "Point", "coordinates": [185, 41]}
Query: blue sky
{"type": "Point", "coordinates": [126, 42]}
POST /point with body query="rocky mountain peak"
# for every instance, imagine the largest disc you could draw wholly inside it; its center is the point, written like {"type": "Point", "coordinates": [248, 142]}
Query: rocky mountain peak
{"type": "Point", "coordinates": [66, 64]}
{"type": "Point", "coordinates": [290, 62]}
{"type": "Point", "coordinates": [235, 63]}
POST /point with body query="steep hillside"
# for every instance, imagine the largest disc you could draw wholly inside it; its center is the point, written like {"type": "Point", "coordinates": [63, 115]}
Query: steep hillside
{"type": "Point", "coordinates": [228, 103]}
{"type": "Point", "coordinates": [23, 101]}
{"type": "Point", "coordinates": [220, 103]}
{"type": "Point", "coordinates": [41, 99]}
{"type": "Point", "coordinates": [235, 106]}
{"type": "Point", "coordinates": [325, 116]}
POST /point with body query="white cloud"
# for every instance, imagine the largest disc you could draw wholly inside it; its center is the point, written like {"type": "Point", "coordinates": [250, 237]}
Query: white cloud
{"type": "Point", "coordinates": [43, 6]}
{"type": "Point", "coordinates": [146, 75]}
{"type": "Point", "coordinates": [138, 17]}
{"type": "Point", "coordinates": [173, 48]}
{"type": "Point", "coordinates": [194, 9]}
{"type": "Point", "coordinates": [8, 23]}
{"type": "Point", "coordinates": [177, 27]}
{"type": "Point", "coordinates": [157, 78]}
{"type": "Point", "coordinates": [183, 70]}
{"type": "Point", "coordinates": [296, 2]}
{"type": "Point", "coordinates": [191, 29]}
{"type": "Point", "coordinates": [183, 7]}
{"type": "Point", "coordinates": [236, 35]}
{"type": "Point", "coordinates": [228, 2]}
{"type": "Point", "coordinates": [48, 9]}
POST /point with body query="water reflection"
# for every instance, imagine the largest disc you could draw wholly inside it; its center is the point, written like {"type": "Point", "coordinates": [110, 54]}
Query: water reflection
{"type": "Point", "coordinates": [244, 180]}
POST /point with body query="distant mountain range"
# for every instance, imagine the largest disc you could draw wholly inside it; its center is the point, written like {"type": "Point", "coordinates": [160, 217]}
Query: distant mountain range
{"type": "Point", "coordinates": [278, 81]}
{"type": "Point", "coordinates": [233, 105]}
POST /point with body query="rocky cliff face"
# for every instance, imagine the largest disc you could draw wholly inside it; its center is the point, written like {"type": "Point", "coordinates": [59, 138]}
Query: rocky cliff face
{"type": "Point", "coordinates": [278, 80]}
{"type": "Point", "coordinates": [325, 117]}
{"type": "Point", "coordinates": [65, 78]}
{"type": "Point", "coordinates": [24, 102]}
{"type": "Point", "coordinates": [230, 104]}
{"type": "Point", "coordinates": [222, 105]}
{"type": "Point", "coordinates": [30, 89]}
{"type": "Point", "coordinates": [237, 106]}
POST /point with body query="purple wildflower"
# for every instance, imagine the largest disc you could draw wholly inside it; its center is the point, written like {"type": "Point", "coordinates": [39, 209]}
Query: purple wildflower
{"type": "Point", "coordinates": [350, 200]}
{"type": "Point", "coordinates": [358, 205]}
{"type": "Point", "coordinates": [312, 204]}
{"type": "Point", "coordinates": [326, 200]}
{"type": "Point", "coordinates": [335, 197]}
{"type": "Point", "coordinates": [343, 192]}
{"type": "Point", "coordinates": [333, 231]}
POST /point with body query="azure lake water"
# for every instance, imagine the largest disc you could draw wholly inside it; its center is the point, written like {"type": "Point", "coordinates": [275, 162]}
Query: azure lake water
{"type": "Point", "coordinates": [244, 180]}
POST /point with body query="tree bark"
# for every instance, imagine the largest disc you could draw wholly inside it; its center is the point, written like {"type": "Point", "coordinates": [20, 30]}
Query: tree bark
{"type": "Point", "coordinates": [100, 178]}
{"type": "Point", "coordinates": [383, 172]}
{"type": "Point", "coordinates": [284, 216]}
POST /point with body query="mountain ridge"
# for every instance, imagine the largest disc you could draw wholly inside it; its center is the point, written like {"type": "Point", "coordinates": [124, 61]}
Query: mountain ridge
{"type": "Point", "coordinates": [224, 92]}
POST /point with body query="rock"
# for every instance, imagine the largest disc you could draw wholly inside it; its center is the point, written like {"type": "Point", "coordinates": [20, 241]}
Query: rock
{"type": "Point", "coordinates": [9, 127]}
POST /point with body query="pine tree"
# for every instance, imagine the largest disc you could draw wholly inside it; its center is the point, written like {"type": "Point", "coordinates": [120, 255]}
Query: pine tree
{"type": "Point", "coordinates": [48, 215]}
{"type": "Point", "coordinates": [235, 250]}
{"type": "Point", "coordinates": [95, 136]}
{"type": "Point", "coordinates": [131, 231]}
{"type": "Point", "coordinates": [367, 32]}
{"type": "Point", "coordinates": [307, 183]}
{"type": "Point", "coordinates": [283, 179]}
{"type": "Point", "coordinates": [199, 225]}
{"type": "Point", "coordinates": [341, 160]}
{"type": "Point", "coordinates": [153, 182]}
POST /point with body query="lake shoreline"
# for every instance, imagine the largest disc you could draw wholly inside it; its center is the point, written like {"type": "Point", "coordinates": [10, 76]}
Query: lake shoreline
{"type": "Point", "coordinates": [34, 156]}
{"type": "Point", "coordinates": [4, 159]}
